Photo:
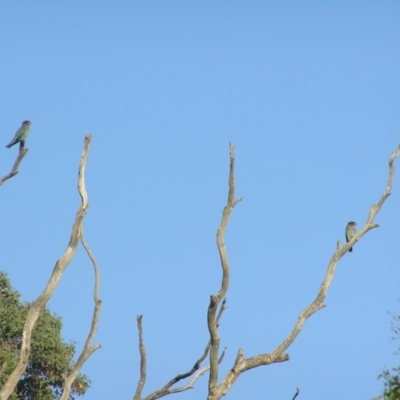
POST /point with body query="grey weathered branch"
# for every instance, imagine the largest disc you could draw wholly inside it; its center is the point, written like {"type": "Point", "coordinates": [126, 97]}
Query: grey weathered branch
{"type": "Point", "coordinates": [195, 371]}
{"type": "Point", "coordinates": [216, 299]}
{"type": "Point", "coordinates": [242, 364]}
{"type": "Point", "coordinates": [14, 171]}
{"type": "Point", "coordinates": [59, 268]}
{"type": "Point", "coordinates": [143, 361]}
{"type": "Point", "coordinates": [88, 349]}
{"type": "Point", "coordinates": [167, 388]}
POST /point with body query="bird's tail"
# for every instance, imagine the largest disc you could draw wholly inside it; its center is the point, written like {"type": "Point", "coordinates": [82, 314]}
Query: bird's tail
{"type": "Point", "coordinates": [350, 249]}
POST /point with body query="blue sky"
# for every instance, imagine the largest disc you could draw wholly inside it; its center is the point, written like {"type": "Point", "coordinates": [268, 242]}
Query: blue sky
{"type": "Point", "coordinates": [308, 92]}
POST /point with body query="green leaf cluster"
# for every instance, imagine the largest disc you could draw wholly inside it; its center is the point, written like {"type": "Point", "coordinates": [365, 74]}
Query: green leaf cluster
{"type": "Point", "coordinates": [391, 378]}
{"type": "Point", "coordinates": [51, 358]}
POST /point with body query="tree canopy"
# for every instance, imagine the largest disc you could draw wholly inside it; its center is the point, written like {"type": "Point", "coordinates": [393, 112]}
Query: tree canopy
{"type": "Point", "coordinates": [51, 358]}
{"type": "Point", "coordinates": [391, 377]}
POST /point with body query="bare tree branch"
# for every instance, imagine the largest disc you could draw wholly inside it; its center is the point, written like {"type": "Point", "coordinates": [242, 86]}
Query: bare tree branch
{"type": "Point", "coordinates": [241, 364]}
{"type": "Point", "coordinates": [14, 171]}
{"type": "Point", "coordinates": [297, 393]}
{"type": "Point", "coordinates": [166, 389]}
{"type": "Point", "coordinates": [216, 299]}
{"type": "Point", "coordinates": [88, 349]}
{"type": "Point", "coordinates": [58, 270]}
{"type": "Point", "coordinates": [142, 350]}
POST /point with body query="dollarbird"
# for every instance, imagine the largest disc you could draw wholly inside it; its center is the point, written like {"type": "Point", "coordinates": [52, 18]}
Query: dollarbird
{"type": "Point", "coordinates": [350, 232]}
{"type": "Point", "coordinates": [21, 134]}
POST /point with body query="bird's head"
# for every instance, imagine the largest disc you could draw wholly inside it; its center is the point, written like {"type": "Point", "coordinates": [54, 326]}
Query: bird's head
{"type": "Point", "coordinates": [351, 223]}
{"type": "Point", "coordinates": [26, 123]}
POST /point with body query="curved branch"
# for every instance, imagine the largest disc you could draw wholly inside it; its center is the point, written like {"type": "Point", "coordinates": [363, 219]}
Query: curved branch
{"type": "Point", "coordinates": [216, 299]}
{"type": "Point", "coordinates": [297, 393]}
{"type": "Point", "coordinates": [88, 349]}
{"type": "Point", "coordinates": [14, 171]}
{"type": "Point", "coordinates": [58, 270]}
{"type": "Point", "coordinates": [318, 303]}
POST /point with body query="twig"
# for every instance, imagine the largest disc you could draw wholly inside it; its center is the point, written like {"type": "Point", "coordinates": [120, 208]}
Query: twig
{"type": "Point", "coordinates": [191, 383]}
{"type": "Point", "coordinates": [88, 349]}
{"type": "Point", "coordinates": [166, 389]}
{"type": "Point", "coordinates": [142, 350]}
{"type": "Point", "coordinates": [14, 171]}
{"type": "Point", "coordinates": [297, 393]}
{"type": "Point", "coordinates": [216, 299]}
{"type": "Point", "coordinates": [59, 268]}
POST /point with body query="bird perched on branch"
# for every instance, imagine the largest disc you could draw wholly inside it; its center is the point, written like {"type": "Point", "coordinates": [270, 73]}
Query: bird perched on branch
{"type": "Point", "coordinates": [350, 232]}
{"type": "Point", "coordinates": [21, 134]}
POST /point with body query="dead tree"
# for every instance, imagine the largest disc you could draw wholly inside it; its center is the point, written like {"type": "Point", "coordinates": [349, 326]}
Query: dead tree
{"type": "Point", "coordinates": [218, 303]}
{"type": "Point", "coordinates": [37, 306]}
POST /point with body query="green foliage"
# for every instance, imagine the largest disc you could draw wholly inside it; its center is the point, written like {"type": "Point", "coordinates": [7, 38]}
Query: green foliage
{"type": "Point", "coordinates": [391, 378]}
{"type": "Point", "coordinates": [392, 384]}
{"type": "Point", "coordinates": [50, 357]}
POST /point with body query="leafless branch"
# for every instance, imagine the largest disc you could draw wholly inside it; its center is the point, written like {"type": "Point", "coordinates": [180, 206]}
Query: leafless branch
{"type": "Point", "coordinates": [241, 364]}
{"type": "Point", "coordinates": [167, 388]}
{"type": "Point", "coordinates": [191, 383]}
{"type": "Point", "coordinates": [88, 349]}
{"type": "Point", "coordinates": [60, 266]}
{"type": "Point", "coordinates": [14, 171]}
{"type": "Point", "coordinates": [297, 393]}
{"type": "Point", "coordinates": [216, 299]}
{"type": "Point", "coordinates": [142, 351]}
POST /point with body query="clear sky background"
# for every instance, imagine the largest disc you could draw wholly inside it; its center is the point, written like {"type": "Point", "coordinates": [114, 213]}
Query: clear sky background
{"type": "Point", "coordinates": [308, 92]}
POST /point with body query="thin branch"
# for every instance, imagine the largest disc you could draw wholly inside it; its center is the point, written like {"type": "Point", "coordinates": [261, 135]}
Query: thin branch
{"type": "Point", "coordinates": [216, 299]}
{"type": "Point", "coordinates": [191, 383]}
{"type": "Point", "coordinates": [88, 349]}
{"type": "Point", "coordinates": [58, 270]}
{"type": "Point", "coordinates": [14, 171]}
{"type": "Point", "coordinates": [221, 310]}
{"type": "Point", "coordinates": [166, 389]}
{"type": "Point", "coordinates": [297, 393]}
{"type": "Point", "coordinates": [196, 376]}
{"type": "Point", "coordinates": [241, 364]}
{"type": "Point", "coordinates": [142, 350]}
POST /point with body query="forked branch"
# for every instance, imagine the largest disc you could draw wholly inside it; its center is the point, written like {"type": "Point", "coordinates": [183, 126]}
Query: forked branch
{"type": "Point", "coordinates": [242, 364]}
{"type": "Point", "coordinates": [167, 389]}
{"type": "Point", "coordinates": [59, 268]}
{"type": "Point", "coordinates": [88, 349]}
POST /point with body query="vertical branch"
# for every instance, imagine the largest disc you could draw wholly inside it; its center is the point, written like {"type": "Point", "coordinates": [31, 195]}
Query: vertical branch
{"type": "Point", "coordinates": [142, 350]}
{"type": "Point", "coordinates": [216, 299]}
{"type": "Point", "coordinates": [58, 270]}
{"type": "Point", "coordinates": [88, 349]}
